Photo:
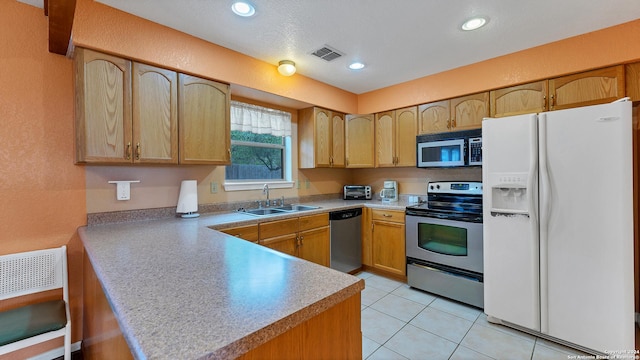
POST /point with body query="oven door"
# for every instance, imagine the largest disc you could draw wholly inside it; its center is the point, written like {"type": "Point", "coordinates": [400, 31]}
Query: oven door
{"type": "Point", "coordinates": [453, 243]}
{"type": "Point", "coordinates": [443, 153]}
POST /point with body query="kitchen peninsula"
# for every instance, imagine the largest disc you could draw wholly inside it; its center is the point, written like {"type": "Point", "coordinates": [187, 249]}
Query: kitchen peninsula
{"type": "Point", "coordinates": [179, 289]}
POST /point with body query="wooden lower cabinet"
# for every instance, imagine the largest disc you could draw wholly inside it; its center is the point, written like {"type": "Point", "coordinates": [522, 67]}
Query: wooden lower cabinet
{"type": "Point", "coordinates": [102, 338]}
{"type": "Point", "coordinates": [332, 334]}
{"type": "Point", "coordinates": [248, 232]}
{"type": "Point", "coordinates": [306, 237]}
{"type": "Point", "coordinates": [388, 252]}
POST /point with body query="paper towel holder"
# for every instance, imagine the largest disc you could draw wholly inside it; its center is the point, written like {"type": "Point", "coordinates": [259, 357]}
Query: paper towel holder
{"type": "Point", "coordinates": [188, 199]}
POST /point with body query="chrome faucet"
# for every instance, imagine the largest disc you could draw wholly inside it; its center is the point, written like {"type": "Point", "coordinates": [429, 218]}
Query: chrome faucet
{"type": "Point", "coordinates": [265, 190]}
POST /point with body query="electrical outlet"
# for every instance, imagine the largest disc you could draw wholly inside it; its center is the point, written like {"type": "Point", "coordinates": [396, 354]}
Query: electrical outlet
{"type": "Point", "coordinates": [297, 183]}
{"type": "Point", "coordinates": [214, 187]}
{"type": "Point", "coordinates": [306, 183]}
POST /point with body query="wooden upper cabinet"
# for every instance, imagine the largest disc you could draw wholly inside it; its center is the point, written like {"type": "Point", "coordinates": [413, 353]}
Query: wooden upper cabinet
{"type": "Point", "coordinates": [632, 72]}
{"type": "Point", "coordinates": [320, 138]}
{"type": "Point", "coordinates": [520, 99]}
{"type": "Point", "coordinates": [204, 121]}
{"type": "Point", "coordinates": [396, 132]}
{"type": "Point", "coordinates": [103, 108]}
{"type": "Point", "coordinates": [359, 141]}
{"type": "Point", "coordinates": [587, 88]}
{"type": "Point", "coordinates": [155, 115]}
{"type": "Point", "coordinates": [468, 111]}
{"type": "Point", "coordinates": [434, 117]}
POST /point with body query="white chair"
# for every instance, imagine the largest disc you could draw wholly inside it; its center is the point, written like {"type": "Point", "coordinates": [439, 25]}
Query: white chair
{"type": "Point", "coordinates": [29, 273]}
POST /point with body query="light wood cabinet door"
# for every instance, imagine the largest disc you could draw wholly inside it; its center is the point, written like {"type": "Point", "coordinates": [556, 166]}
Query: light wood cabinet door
{"type": "Point", "coordinates": [155, 115]}
{"type": "Point", "coordinates": [314, 245]}
{"type": "Point", "coordinates": [204, 121]}
{"type": "Point", "coordinates": [337, 140]}
{"type": "Point", "coordinates": [587, 88]}
{"type": "Point", "coordinates": [468, 111]}
{"type": "Point", "coordinates": [247, 232]}
{"type": "Point", "coordinates": [103, 108]}
{"type": "Point", "coordinates": [359, 141]}
{"type": "Point", "coordinates": [388, 247]}
{"type": "Point", "coordinates": [632, 81]}
{"type": "Point", "coordinates": [287, 244]}
{"type": "Point", "coordinates": [320, 138]}
{"type": "Point", "coordinates": [520, 99]}
{"type": "Point", "coordinates": [385, 139]}
{"type": "Point", "coordinates": [434, 117]}
{"type": "Point", "coordinates": [405, 136]}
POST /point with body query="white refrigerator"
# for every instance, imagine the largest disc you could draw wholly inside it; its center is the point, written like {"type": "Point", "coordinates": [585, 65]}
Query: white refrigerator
{"type": "Point", "coordinates": [558, 224]}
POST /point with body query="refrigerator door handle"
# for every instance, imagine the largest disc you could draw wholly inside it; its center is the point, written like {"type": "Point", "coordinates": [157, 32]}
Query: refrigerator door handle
{"type": "Point", "coordinates": [544, 190]}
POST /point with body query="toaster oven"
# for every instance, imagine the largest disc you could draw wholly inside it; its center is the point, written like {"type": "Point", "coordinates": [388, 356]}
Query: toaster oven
{"type": "Point", "coordinates": [356, 192]}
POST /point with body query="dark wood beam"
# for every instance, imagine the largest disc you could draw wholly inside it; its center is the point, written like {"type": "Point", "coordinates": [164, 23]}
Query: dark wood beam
{"type": "Point", "coordinates": [60, 13]}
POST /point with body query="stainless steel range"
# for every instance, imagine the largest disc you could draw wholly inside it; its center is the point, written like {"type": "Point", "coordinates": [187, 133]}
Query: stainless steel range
{"type": "Point", "coordinates": [444, 242]}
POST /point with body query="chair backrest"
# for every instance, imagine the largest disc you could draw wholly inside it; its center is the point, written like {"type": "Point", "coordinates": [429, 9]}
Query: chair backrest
{"type": "Point", "coordinates": [33, 271]}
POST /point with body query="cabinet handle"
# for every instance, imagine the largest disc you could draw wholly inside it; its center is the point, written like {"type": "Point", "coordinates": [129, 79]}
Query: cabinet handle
{"type": "Point", "coordinates": [346, 160]}
{"type": "Point", "coordinates": [138, 151]}
{"type": "Point", "coordinates": [301, 240]}
{"type": "Point", "coordinates": [229, 152]}
{"type": "Point", "coordinates": [387, 215]}
{"type": "Point", "coordinates": [448, 124]}
{"type": "Point", "coordinates": [553, 101]}
{"type": "Point", "coordinates": [453, 123]}
{"type": "Point", "coordinates": [544, 102]}
{"type": "Point", "coordinates": [128, 151]}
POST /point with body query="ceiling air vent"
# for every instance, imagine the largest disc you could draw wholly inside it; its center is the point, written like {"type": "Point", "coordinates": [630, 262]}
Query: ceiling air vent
{"type": "Point", "coordinates": [326, 53]}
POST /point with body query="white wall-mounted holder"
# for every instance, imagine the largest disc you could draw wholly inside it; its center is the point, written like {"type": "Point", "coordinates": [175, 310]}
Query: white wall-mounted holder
{"type": "Point", "coordinates": [123, 188]}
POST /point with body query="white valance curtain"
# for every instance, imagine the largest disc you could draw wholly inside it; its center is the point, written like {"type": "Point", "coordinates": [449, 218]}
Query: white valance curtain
{"type": "Point", "coordinates": [259, 120]}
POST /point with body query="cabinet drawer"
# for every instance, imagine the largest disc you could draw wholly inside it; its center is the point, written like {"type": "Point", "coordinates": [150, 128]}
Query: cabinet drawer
{"type": "Point", "coordinates": [278, 227]}
{"type": "Point", "coordinates": [388, 215]}
{"type": "Point", "coordinates": [314, 221]}
{"type": "Point", "coordinates": [248, 232]}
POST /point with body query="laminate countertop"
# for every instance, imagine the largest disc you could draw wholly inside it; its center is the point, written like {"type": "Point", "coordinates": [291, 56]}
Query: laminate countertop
{"type": "Point", "coordinates": [180, 289]}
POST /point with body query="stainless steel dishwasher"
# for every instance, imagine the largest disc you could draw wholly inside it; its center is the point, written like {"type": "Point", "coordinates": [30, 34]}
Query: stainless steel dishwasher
{"type": "Point", "coordinates": [346, 240]}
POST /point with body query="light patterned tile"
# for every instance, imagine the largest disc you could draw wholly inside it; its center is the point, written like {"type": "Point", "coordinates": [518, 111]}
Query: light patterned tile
{"type": "Point", "coordinates": [463, 353]}
{"type": "Point", "coordinates": [385, 354]}
{"type": "Point", "coordinates": [370, 295]}
{"type": "Point", "coordinates": [379, 327]}
{"type": "Point", "coordinates": [455, 308]}
{"type": "Point", "coordinates": [497, 344]}
{"type": "Point", "coordinates": [368, 347]}
{"type": "Point", "coordinates": [412, 294]}
{"type": "Point", "coordinates": [415, 343]}
{"type": "Point", "coordinates": [555, 347]}
{"type": "Point", "coordinates": [382, 283]}
{"type": "Point", "coordinates": [364, 275]}
{"type": "Point", "coordinates": [442, 324]}
{"type": "Point", "coordinates": [398, 307]}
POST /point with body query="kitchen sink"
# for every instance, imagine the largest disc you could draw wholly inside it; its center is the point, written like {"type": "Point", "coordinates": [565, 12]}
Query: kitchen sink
{"type": "Point", "coordinates": [264, 211]}
{"type": "Point", "coordinates": [297, 207]}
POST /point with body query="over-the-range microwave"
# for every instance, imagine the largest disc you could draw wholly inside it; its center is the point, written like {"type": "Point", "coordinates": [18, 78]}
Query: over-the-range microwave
{"type": "Point", "coordinates": [451, 149]}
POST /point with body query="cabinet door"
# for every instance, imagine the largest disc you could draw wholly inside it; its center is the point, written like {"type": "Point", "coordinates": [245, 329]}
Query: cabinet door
{"type": "Point", "coordinates": [434, 117]}
{"type": "Point", "coordinates": [287, 244]}
{"type": "Point", "coordinates": [388, 247]}
{"type": "Point", "coordinates": [587, 88]}
{"type": "Point", "coordinates": [155, 115]}
{"type": "Point", "coordinates": [204, 122]}
{"type": "Point", "coordinates": [337, 140]}
{"type": "Point", "coordinates": [521, 99]}
{"type": "Point", "coordinates": [323, 132]}
{"type": "Point", "coordinates": [468, 111]}
{"type": "Point", "coordinates": [632, 72]}
{"type": "Point", "coordinates": [385, 135]}
{"type": "Point", "coordinates": [366, 229]}
{"type": "Point", "coordinates": [103, 108]}
{"type": "Point", "coordinates": [405, 136]}
{"type": "Point", "coordinates": [314, 245]}
{"type": "Point", "coordinates": [359, 138]}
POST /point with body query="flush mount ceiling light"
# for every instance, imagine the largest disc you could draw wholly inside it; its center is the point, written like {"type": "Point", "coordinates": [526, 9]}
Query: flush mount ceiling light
{"type": "Point", "coordinates": [474, 23]}
{"type": "Point", "coordinates": [287, 67]}
{"type": "Point", "coordinates": [356, 66]}
{"type": "Point", "coordinates": [242, 8]}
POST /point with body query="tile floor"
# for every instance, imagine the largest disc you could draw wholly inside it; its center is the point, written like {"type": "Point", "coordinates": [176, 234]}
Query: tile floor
{"type": "Point", "coordinates": [399, 322]}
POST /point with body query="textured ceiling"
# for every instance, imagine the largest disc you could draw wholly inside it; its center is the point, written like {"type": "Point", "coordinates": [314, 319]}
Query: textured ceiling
{"type": "Point", "coordinates": [397, 40]}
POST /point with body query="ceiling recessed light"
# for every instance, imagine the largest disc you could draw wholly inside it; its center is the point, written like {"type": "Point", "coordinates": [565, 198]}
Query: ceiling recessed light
{"type": "Point", "coordinates": [356, 66]}
{"type": "Point", "coordinates": [242, 8]}
{"type": "Point", "coordinates": [474, 23]}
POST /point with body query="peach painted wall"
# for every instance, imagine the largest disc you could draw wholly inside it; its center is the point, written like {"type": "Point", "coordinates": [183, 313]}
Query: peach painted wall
{"type": "Point", "coordinates": [42, 192]}
{"type": "Point", "coordinates": [609, 46]}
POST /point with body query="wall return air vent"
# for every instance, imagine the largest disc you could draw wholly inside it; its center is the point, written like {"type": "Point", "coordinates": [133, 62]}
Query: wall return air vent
{"type": "Point", "coordinates": [327, 53]}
